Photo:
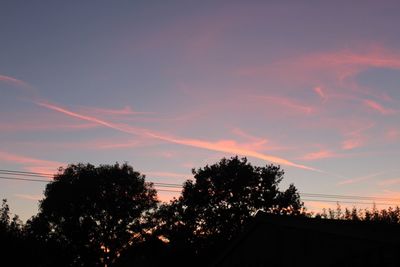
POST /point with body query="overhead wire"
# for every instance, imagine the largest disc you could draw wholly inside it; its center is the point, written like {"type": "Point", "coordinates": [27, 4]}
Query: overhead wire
{"type": "Point", "coordinates": [169, 187]}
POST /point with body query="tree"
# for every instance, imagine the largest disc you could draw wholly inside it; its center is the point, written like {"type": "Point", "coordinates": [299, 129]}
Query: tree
{"type": "Point", "coordinates": [94, 212]}
{"type": "Point", "coordinates": [12, 241]}
{"type": "Point", "coordinates": [222, 198]}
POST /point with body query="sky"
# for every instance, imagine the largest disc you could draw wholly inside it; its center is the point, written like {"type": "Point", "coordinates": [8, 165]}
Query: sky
{"type": "Point", "coordinates": [167, 86]}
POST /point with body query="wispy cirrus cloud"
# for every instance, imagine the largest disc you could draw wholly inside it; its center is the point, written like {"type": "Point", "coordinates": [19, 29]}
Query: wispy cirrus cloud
{"type": "Point", "coordinates": [229, 146]}
{"type": "Point", "coordinates": [318, 155]}
{"type": "Point", "coordinates": [287, 103]}
{"type": "Point", "coordinates": [256, 143]}
{"type": "Point", "coordinates": [378, 107]}
{"type": "Point", "coordinates": [23, 89]}
{"type": "Point", "coordinates": [114, 145]}
{"type": "Point", "coordinates": [341, 64]}
{"type": "Point", "coordinates": [14, 81]}
{"type": "Point", "coordinates": [320, 92]}
{"type": "Point", "coordinates": [119, 127]}
{"type": "Point", "coordinates": [240, 132]}
{"type": "Point", "coordinates": [352, 143]}
{"type": "Point", "coordinates": [220, 146]}
{"type": "Point", "coordinates": [111, 143]}
{"type": "Point", "coordinates": [30, 163]}
{"type": "Point", "coordinates": [356, 138]}
{"type": "Point", "coordinates": [29, 197]}
{"type": "Point", "coordinates": [334, 69]}
{"type": "Point", "coordinates": [360, 179]}
{"type": "Point", "coordinates": [389, 182]}
{"type": "Point", "coordinates": [392, 134]}
{"type": "Point", "coordinates": [127, 110]}
{"type": "Point", "coordinates": [40, 125]}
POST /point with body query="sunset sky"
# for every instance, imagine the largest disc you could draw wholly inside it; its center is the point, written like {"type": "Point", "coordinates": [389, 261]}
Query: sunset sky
{"type": "Point", "coordinates": [313, 86]}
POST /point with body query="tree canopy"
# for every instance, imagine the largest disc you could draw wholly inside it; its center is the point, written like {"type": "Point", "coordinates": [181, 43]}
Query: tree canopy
{"type": "Point", "coordinates": [222, 198]}
{"type": "Point", "coordinates": [95, 212]}
{"type": "Point", "coordinates": [108, 216]}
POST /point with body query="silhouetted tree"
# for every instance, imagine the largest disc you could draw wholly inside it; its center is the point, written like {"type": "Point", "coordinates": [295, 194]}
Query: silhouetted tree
{"type": "Point", "coordinates": [94, 212]}
{"type": "Point", "coordinates": [152, 253]}
{"type": "Point", "coordinates": [12, 239]}
{"type": "Point", "coordinates": [222, 198]}
{"type": "Point", "coordinates": [383, 216]}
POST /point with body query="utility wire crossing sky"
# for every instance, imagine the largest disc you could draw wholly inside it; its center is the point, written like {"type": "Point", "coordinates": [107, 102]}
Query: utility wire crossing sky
{"type": "Point", "coordinates": [167, 87]}
{"type": "Point", "coordinates": [366, 200]}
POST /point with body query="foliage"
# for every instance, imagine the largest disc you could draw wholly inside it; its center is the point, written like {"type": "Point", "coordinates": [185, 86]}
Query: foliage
{"type": "Point", "coordinates": [108, 215]}
{"type": "Point", "coordinates": [12, 239]}
{"type": "Point", "coordinates": [94, 212]}
{"type": "Point", "coordinates": [390, 215]}
{"type": "Point", "coordinates": [222, 198]}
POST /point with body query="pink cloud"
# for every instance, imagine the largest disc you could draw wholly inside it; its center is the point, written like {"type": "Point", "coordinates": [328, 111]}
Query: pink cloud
{"type": "Point", "coordinates": [127, 110]}
{"type": "Point", "coordinates": [241, 133]}
{"type": "Point", "coordinates": [288, 103]}
{"type": "Point", "coordinates": [43, 125]}
{"type": "Point", "coordinates": [167, 154]}
{"type": "Point", "coordinates": [49, 169]}
{"type": "Point", "coordinates": [226, 146]}
{"type": "Point", "coordinates": [207, 35]}
{"type": "Point", "coordinates": [356, 138]}
{"type": "Point", "coordinates": [392, 134]}
{"type": "Point", "coordinates": [92, 144]}
{"type": "Point", "coordinates": [389, 182]}
{"type": "Point", "coordinates": [378, 107]}
{"type": "Point", "coordinates": [353, 181]}
{"type": "Point", "coordinates": [194, 38]}
{"type": "Point", "coordinates": [336, 69]}
{"type": "Point", "coordinates": [360, 179]}
{"type": "Point", "coordinates": [320, 92]}
{"type": "Point", "coordinates": [31, 164]}
{"type": "Point", "coordinates": [333, 68]}
{"type": "Point", "coordinates": [373, 58]}
{"type": "Point", "coordinates": [108, 144]}
{"type": "Point", "coordinates": [14, 81]}
{"type": "Point", "coordinates": [77, 115]}
{"type": "Point", "coordinates": [29, 197]}
{"type": "Point", "coordinates": [353, 143]}
{"type": "Point", "coordinates": [256, 143]}
{"type": "Point", "coordinates": [322, 154]}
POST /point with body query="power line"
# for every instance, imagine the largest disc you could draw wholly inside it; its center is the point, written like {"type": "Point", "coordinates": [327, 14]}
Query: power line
{"type": "Point", "coordinates": [23, 179]}
{"type": "Point", "coordinates": [311, 196]}
{"type": "Point", "coordinates": [46, 181]}
{"type": "Point", "coordinates": [36, 174]}
{"type": "Point", "coordinates": [26, 173]}
{"type": "Point", "coordinates": [165, 190]}
{"type": "Point", "coordinates": [348, 197]}
{"type": "Point", "coordinates": [351, 202]}
{"type": "Point", "coordinates": [167, 184]}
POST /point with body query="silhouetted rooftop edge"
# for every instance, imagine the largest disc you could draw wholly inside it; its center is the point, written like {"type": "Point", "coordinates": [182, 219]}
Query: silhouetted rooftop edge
{"type": "Point", "coordinates": [381, 233]}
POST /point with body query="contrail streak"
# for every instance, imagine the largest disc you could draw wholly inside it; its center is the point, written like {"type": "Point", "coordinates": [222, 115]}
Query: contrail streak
{"type": "Point", "coordinates": [213, 146]}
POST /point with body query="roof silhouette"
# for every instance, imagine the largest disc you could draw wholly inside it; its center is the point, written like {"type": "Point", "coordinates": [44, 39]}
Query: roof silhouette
{"type": "Point", "coordinates": [276, 240]}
